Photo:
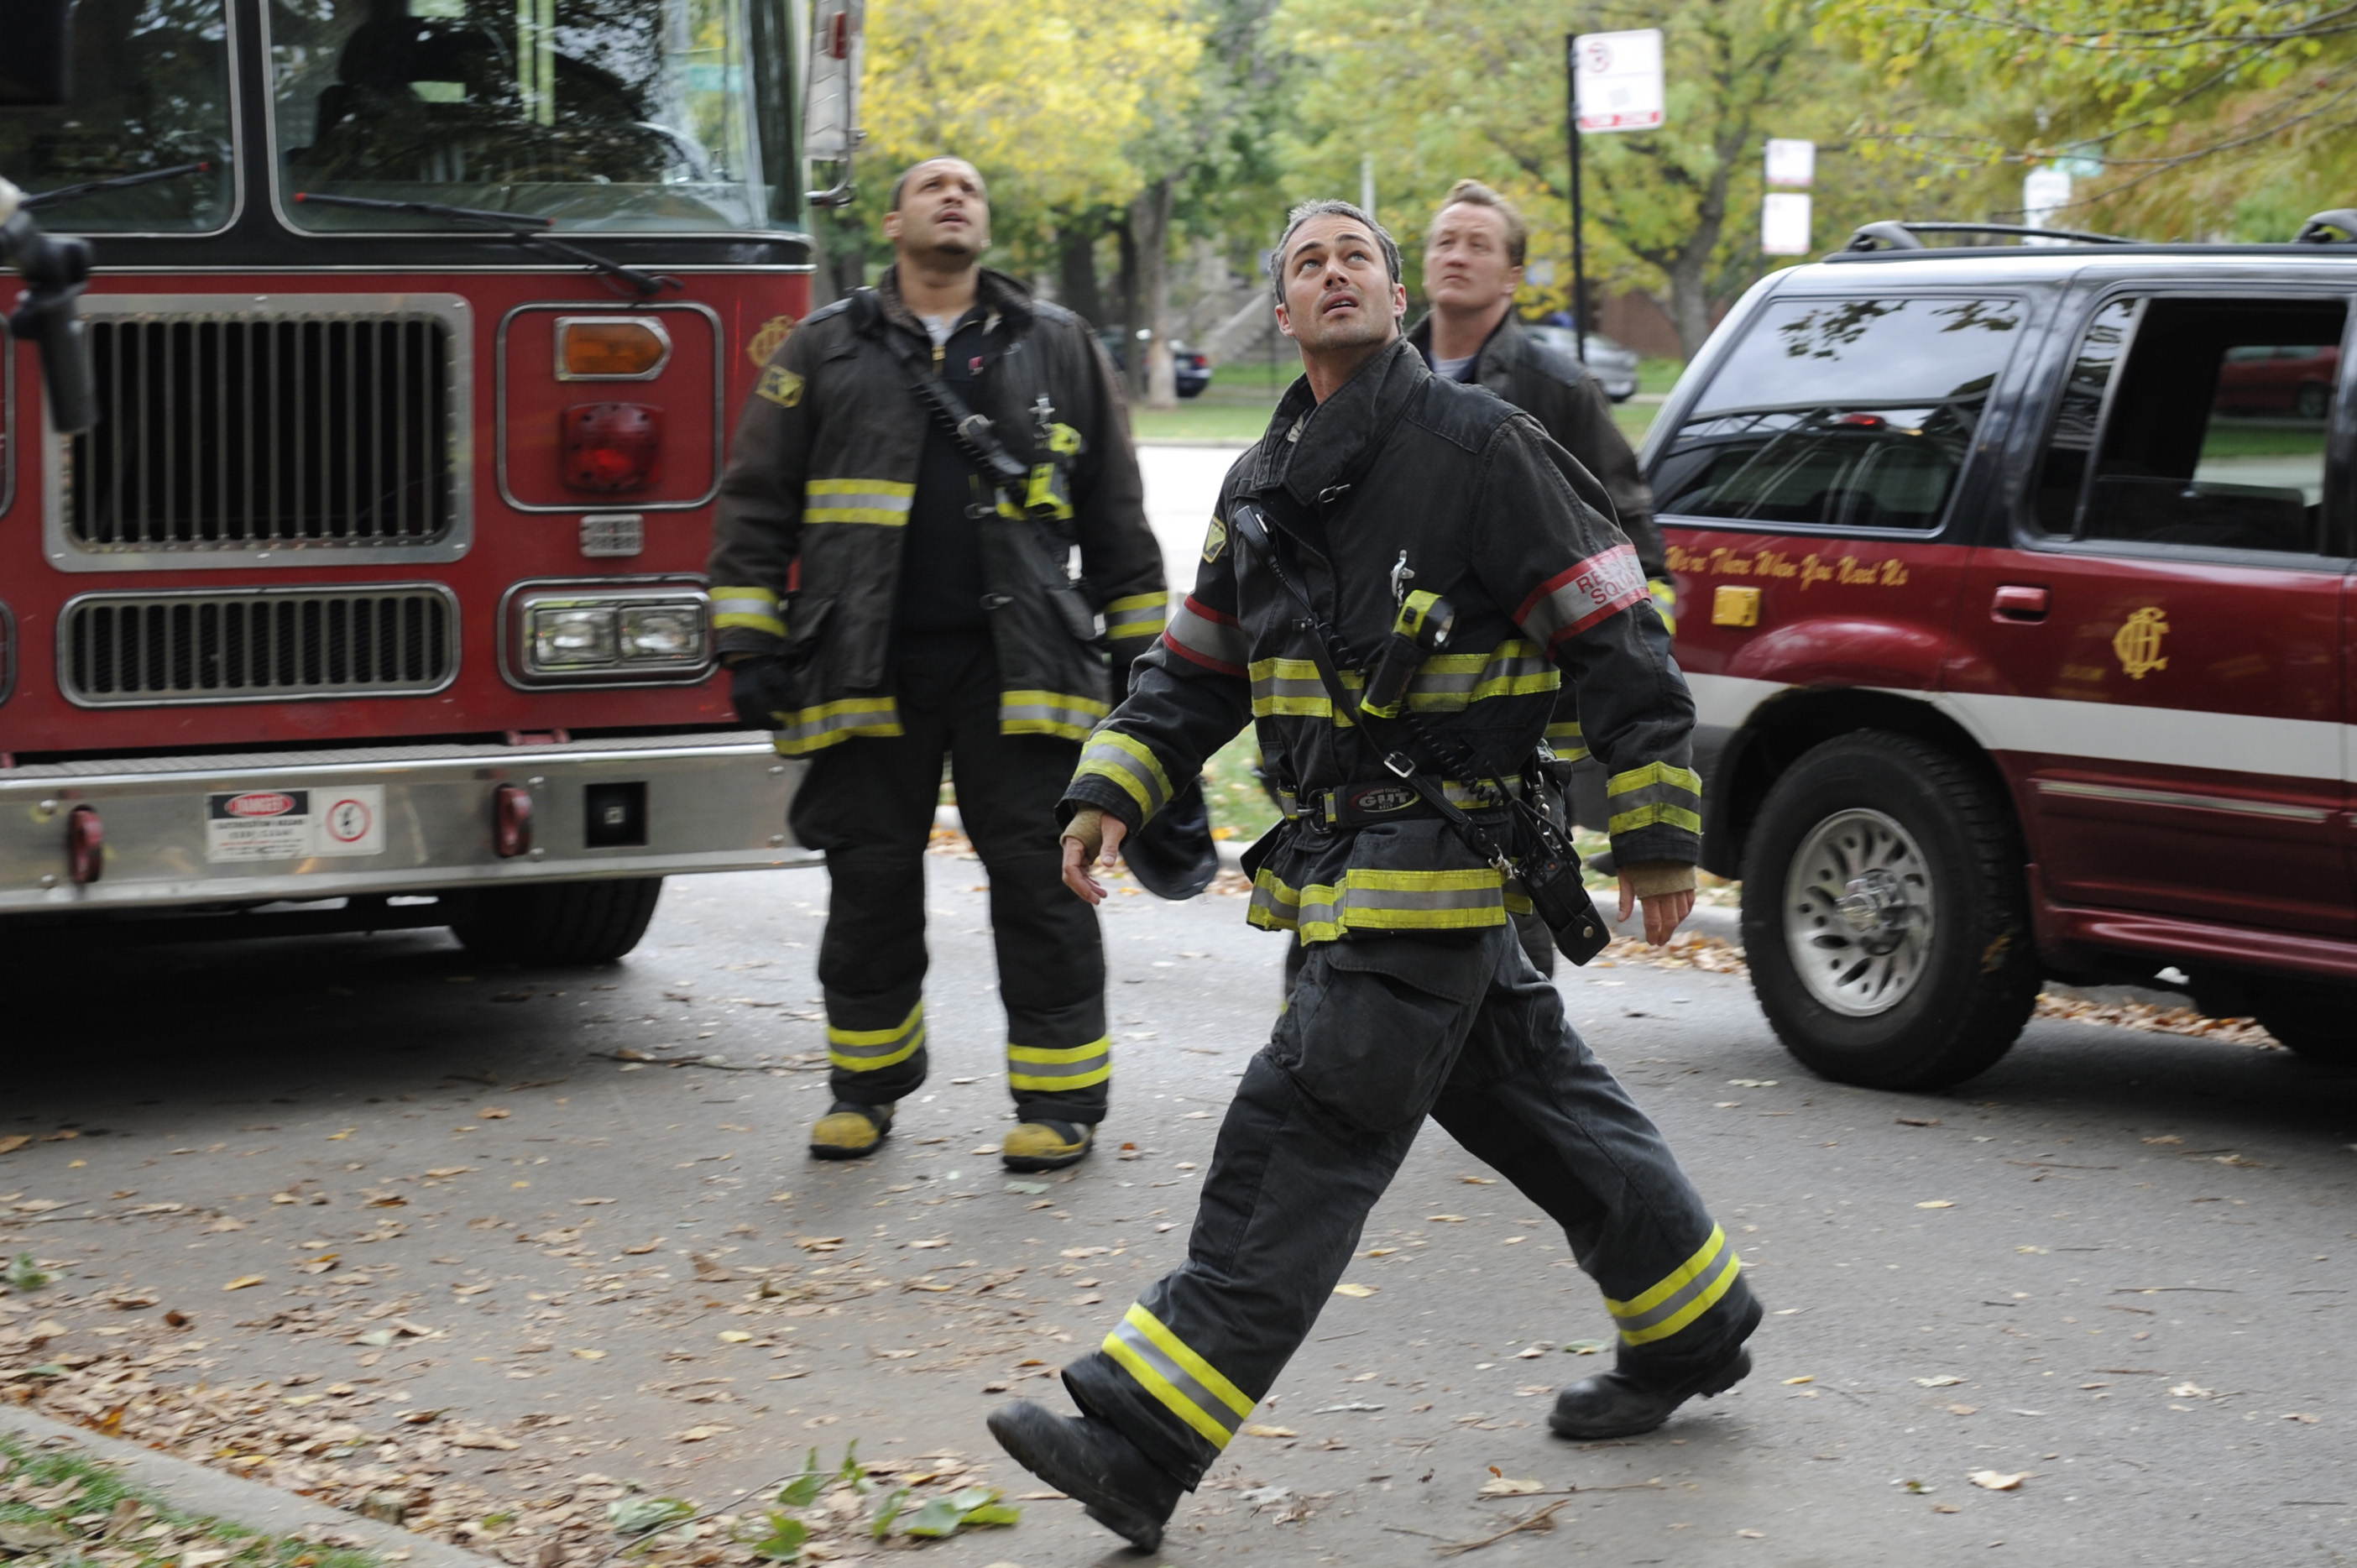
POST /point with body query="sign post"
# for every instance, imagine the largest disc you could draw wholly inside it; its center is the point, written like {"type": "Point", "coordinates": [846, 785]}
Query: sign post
{"type": "Point", "coordinates": [1784, 214]}
{"type": "Point", "coordinates": [1615, 84]}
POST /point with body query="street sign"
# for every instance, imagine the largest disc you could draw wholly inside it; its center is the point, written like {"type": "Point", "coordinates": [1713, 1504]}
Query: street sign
{"type": "Point", "coordinates": [2044, 193]}
{"type": "Point", "coordinates": [1619, 80]}
{"type": "Point", "coordinates": [1791, 162]}
{"type": "Point", "coordinates": [1784, 223]}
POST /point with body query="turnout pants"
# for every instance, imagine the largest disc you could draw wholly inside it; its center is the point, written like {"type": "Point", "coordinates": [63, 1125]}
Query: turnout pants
{"type": "Point", "coordinates": [1378, 1034]}
{"type": "Point", "coordinates": [868, 803]}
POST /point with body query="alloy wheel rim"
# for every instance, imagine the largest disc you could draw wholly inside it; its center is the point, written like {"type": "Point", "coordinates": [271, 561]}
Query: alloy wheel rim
{"type": "Point", "coordinates": [1858, 922]}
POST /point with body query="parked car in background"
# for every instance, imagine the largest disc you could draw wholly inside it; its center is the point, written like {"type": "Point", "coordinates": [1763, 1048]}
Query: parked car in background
{"type": "Point", "coordinates": [2018, 646]}
{"type": "Point", "coordinates": [1615, 366]}
{"type": "Point", "coordinates": [1193, 370]}
{"type": "Point", "coordinates": [2294, 378]}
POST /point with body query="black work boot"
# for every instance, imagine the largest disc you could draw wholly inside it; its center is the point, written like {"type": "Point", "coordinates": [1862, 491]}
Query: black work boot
{"type": "Point", "coordinates": [1087, 1460]}
{"type": "Point", "coordinates": [1619, 1404]}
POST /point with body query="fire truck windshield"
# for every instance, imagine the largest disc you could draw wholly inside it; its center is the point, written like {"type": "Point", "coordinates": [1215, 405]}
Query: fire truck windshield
{"type": "Point", "coordinates": [616, 115]}
{"type": "Point", "coordinates": [151, 95]}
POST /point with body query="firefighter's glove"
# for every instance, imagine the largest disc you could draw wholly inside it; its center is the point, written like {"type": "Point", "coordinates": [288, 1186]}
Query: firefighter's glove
{"type": "Point", "coordinates": [765, 691]}
{"type": "Point", "coordinates": [1091, 835]}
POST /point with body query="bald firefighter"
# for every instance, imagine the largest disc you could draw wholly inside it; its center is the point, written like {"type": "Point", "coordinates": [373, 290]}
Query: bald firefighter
{"type": "Point", "coordinates": [917, 468]}
{"type": "Point", "coordinates": [1387, 503]}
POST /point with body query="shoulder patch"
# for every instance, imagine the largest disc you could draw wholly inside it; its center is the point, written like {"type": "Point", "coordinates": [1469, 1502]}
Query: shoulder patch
{"type": "Point", "coordinates": [1215, 540]}
{"type": "Point", "coordinates": [780, 385]}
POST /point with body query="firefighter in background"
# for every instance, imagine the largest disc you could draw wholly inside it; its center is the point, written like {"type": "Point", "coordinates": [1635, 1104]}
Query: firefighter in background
{"type": "Point", "coordinates": [1473, 254]}
{"type": "Point", "coordinates": [1416, 999]}
{"type": "Point", "coordinates": [890, 593]}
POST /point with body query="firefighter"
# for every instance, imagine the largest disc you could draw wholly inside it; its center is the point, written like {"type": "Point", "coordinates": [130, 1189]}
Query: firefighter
{"type": "Point", "coordinates": [891, 591]}
{"type": "Point", "coordinates": [1473, 254]}
{"type": "Point", "coordinates": [1416, 999]}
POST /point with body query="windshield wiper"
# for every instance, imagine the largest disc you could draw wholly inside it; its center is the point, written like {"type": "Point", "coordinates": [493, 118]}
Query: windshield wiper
{"type": "Point", "coordinates": [515, 226]}
{"type": "Point", "coordinates": [66, 193]}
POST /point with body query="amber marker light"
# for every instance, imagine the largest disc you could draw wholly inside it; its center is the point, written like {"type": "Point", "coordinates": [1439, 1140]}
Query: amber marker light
{"type": "Point", "coordinates": [610, 349]}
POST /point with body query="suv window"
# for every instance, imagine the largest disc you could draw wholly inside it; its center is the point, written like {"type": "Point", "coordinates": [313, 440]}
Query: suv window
{"type": "Point", "coordinates": [2205, 421]}
{"type": "Point", "coordinates": [1841, 413]}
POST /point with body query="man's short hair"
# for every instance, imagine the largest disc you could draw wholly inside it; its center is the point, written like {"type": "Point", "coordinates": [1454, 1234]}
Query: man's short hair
{"type": "Point", "coordinates": [1473, 193]}
{"type": "Point", "coordinates": [901, 184]}
{"type": "Point", "coordinates": [1331, 207]}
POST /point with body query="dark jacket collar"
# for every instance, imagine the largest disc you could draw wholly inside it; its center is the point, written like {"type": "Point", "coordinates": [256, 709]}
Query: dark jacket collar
{"type": "Point", "coordinates": [999, 297]}
{"type": "Point", "coordinates": [1309, 444]}
{"type": "Point", "coordinates": [1500, 355]}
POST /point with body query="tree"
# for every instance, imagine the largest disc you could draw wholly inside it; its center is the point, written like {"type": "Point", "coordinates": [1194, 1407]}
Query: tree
{"type": "Point", "coordinates": [2204, 118]}
{"type": "Point", "coordinates": [1436, 90]}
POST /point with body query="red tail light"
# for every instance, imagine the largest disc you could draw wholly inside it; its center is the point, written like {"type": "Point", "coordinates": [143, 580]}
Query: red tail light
{"type": "Point", "coordinates": [85, 845]}
{"type": "Point", "coordinates": [512, 820]}
{"type": "Point", "coordinates": [611, 447]}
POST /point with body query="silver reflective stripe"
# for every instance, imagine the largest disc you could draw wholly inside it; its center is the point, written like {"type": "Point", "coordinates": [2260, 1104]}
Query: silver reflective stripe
{"type": "Point", "coordinates": [1678, 1301]}
{"type": "Point", "coordinates": [1177, 1378]}
{"type": "Point", "coordinates": [1212, 642]}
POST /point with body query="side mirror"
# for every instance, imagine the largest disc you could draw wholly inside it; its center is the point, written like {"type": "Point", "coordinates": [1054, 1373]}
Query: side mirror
{"type": "Point", "coordinates": [35, 68]}
{"type": "Point", "coordinates": [831, 99]}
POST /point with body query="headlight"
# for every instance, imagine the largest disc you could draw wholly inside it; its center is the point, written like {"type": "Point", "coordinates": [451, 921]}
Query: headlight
{"type": "Point", "coordinates": [565, 636]}
{"type": "Point", "coordinates": [666, 632]}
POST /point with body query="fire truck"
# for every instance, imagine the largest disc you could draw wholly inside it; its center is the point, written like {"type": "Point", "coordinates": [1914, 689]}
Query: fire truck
{"type": "Point", "coordinates": [371, 597]}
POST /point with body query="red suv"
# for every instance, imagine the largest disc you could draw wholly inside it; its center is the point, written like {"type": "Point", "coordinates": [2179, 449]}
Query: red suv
{"type": "Point", "coordinates": [2014, 589]}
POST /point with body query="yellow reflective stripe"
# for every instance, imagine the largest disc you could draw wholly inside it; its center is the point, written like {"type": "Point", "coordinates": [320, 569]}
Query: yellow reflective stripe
{"type": "Point", "coordinates": [1654, 773]}
{"type": "Point", "coordinates": [1665, 602]}
{"type": "Point", "coordinates": [1184, 1384]}
{"type": "Point", "coordinates": [1683, 1295]}
{"type": "Point", "coordinates": [884, 502]}
{"type": "Point", "coordinates": [865, 1050]}
{"type": "Point", "coordinates": [813, 729]}
{"type": "Point", "coordinates": [1048, 713]}
{"type": "Point", "coordinates": [1367, 898]}
{"type": "Point", "coordinates": [753, 610]}
{"type": "Point", "coordinates": [1647, 816]}
{"type": "Point", "coordinates": [1076, 1067]}
{"type": "Point", "coordinates": [1131, 764]}
{"type": "Point", "coordinates": [1141, 615]}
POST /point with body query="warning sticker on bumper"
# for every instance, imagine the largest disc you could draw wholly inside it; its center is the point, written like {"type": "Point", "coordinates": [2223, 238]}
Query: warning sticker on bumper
{"type": "Point", "coordinates": [295, 824]}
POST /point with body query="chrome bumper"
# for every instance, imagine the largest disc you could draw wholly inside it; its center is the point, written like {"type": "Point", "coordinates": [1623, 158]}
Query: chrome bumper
{"type": "Point", "coordinates": [195, 831]}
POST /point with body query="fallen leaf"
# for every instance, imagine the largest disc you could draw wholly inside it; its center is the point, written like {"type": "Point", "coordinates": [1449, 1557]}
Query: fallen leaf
{"type": "Point", "coordinates": [1989, 1481]}
{"type": "Point", "coordinates": [1964, 1409]}
{"type": "Point", "coordinates": [1751, 1083]}
{"type": "Point", "coordinates": [1509, 1487]}
{"type": "Point", "coordinates": [1585, 1347]}
{"type": "Point", "coordinates": [1936, 1203]}
{"type": "Point", "coordinates": [2300, 1416]}
{"type": "Point", "coordinates": [13, 1141]}
{"type": "Point", "coordinates": [2189, 1391]}
{"type": "Point", "coordinates": [1479, 1180]}
{"type": "Point", "coordinates": [1946, 1508]}
{"type": "Point", "coordinates": [734, 1336]}
{"type": "Point", "coordinates": [1254, 1429]}
{"type": "Point", "coordinates": [242, 1281]}
{"type": "Point", "coordinates": [1944, 1381]}
{"type": "Point", "coordinates": [1033, 1188]}
{"type": "Point", "coordinates": [1806, 1378]}
{"type": "Point", "coordinates": [1752, 1534]}
{"type": "Point", "coordinates": [1446, 1218]}
{"type": "Point", "coordinates": [492, 1113]}
{"type": "Point", "coordinates": [699, 1433]}
{"type": "Point", "coordinates": [441, 1172]}
{"type": "Point", "coordinates": [591, 1355]}
{"type": "Point", "coordinates": [1354, 1290]}
{"type": "Point", "coordinates": [1918, 1121]}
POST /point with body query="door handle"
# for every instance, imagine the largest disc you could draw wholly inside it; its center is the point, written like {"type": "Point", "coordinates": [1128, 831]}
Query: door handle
{"type": "Point", "coordinates": [2019, 602]}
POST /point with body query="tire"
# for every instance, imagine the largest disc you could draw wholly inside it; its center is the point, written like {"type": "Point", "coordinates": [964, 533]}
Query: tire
{"type": "Point", "coordinates": [1930, 975]}
{"type": "Point", "coordinates": [558, 924]}
{"type": "Point", "coordinates": [2317, 1020]}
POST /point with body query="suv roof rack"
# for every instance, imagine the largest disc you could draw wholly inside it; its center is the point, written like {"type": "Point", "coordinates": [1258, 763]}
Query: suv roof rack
{"type": "Point", "coordinates": [1894, 236]}
{"type": "Point", "coordinates": [2318, 229]}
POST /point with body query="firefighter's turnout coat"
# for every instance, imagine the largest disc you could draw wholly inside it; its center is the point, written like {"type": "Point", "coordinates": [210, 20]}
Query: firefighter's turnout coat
{"type": "Point", "coordinates": [806, 554]}
{"type": "Point", "coordinates": [1520, 539]}
{"type": "Point", "coordinates": [1412, 1000]}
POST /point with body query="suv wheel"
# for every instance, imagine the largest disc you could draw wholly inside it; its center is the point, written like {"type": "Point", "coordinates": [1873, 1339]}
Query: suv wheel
{"type": "Point", "coordinates": [2315, 1020]}
{"type": "Point", "coordinates": [1883, 914]}
{"type": "Point", "coordinates": [556, 924]}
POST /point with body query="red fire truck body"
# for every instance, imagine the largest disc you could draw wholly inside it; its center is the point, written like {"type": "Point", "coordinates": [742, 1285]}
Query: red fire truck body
{"type": "Point", "coordinates": [380, 577]}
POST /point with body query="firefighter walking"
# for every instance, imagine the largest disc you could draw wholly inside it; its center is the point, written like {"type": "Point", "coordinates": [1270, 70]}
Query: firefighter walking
{"type": "Point", "coordinates": [1378, 487]}
{"type": "Point", "coordinates": [917, 465]}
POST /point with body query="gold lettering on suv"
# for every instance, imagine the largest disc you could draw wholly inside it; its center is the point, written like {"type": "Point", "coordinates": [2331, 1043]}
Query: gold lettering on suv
{"type": "Point", "coordinates": [2137, 642]}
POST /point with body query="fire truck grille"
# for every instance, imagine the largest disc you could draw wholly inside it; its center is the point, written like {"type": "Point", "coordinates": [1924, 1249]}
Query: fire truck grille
{"type": "Point", "coordinates": [258, 645]}
{"type": "Point", "coordinates": [242, 431]}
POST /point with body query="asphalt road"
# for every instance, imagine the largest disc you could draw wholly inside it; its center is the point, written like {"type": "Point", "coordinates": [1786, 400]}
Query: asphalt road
{"type": "Point", "coordinates": [2114, 1265]}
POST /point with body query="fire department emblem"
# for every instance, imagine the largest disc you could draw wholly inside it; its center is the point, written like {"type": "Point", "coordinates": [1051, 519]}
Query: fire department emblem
{"type": "Point", "coordinates": [771, 338]}
{"type": "Point", "coordinates": [2137, 642]}
{"type": "Point", "coordinates": [1215, 539]}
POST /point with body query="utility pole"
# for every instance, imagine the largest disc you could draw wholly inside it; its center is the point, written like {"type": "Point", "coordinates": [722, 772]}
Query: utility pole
{"type": "Point", "coordinates": [1578, 235]}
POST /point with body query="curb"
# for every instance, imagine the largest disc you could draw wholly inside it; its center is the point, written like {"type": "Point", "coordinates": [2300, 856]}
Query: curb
{"type": "Point", "coordinates": [193, 1488]}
